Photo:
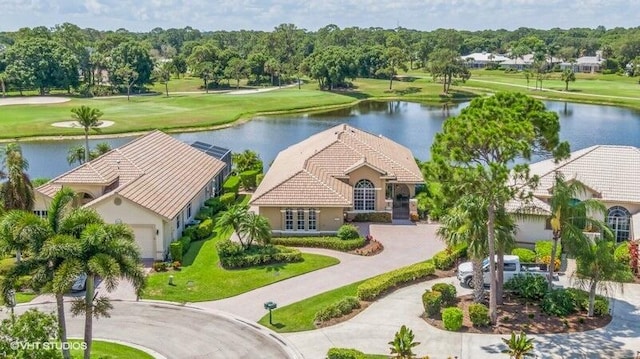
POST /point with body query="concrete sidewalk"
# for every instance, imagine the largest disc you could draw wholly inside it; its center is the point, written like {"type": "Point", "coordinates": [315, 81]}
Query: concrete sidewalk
{"type": "Point", "coordinates": [372, 329]}
{"type": "Point", "coordinates": [403, 245]}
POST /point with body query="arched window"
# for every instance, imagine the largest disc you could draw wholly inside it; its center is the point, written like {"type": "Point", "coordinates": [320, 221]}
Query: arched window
{"type": "Point", "coordinates": [364, 196]}
{"type": "Point", "coordinates": [619, 220]}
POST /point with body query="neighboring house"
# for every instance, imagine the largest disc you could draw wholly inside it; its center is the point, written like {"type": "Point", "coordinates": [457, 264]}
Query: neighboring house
{"type": "Point", "coordinates": [155, 184]}
{"type": "Point", "coordinates": [338, 173]}
{"type": "Point", "coordinates": [587, 64]}
{"type": "Point", "coordinates": [609, 174]}
{"type": "Point", "coordinates": [480, 60]}
{"type": "Point", "coordinates": [526, 61]}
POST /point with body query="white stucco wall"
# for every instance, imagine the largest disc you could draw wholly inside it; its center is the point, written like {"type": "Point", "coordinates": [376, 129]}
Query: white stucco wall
{"type": "Point", "coordinates": [532, 229]}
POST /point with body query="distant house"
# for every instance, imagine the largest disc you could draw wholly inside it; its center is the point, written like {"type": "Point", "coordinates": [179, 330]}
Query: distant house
{"type": "Point", "coordinates": [609, 173]}
{"type": "Point", "coordinates": [155, 184]}
{"type": "Point", "coordinates": [586, 64]}
{"type": "Point", "coordinates": [480, 60]}
{"type": "Point", "coordinates": [314, 185]}
{"type": "Point", "coordinates": [526, 61]}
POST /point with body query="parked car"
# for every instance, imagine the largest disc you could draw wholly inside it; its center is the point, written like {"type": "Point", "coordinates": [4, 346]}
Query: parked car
{"type": "Point", "coordinates": [80, 283]}
{"type": "Point", "coordinates": [512, 267]}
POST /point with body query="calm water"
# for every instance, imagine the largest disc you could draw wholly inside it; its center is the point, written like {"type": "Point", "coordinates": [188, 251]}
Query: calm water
{"type": "Point", "coordinates": [411, 124]}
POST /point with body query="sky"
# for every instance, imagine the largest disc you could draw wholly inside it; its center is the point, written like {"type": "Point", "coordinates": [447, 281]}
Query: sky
{"type": "Point", "coordinates": [205, 15]}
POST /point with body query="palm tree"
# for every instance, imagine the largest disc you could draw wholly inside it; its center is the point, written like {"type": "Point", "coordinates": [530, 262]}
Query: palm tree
{"type": "Point", "coordinates": [18, 230]}
{"type": "Point", "coordinates": [88, 118]}
{"type": "Point", "coordinates": [518, 346]}
{"type": "Point", "coordinates": [255, 227]}
{"type": "Point", "coordinates": [17, 190]}
{"type": "Point", "coordinates": [110, 252]}
{"type": "Point", "coordinates": [569, 216]}
{"type": "Point", "coordinates": [403, 343]}
{"type": "Point", "coordinates": [76, 154]}
{"type": "Point", "coordinates": [101, 149]}
{"type": "Point", "coordinates": [597, 267]}
{"type": "Point", "coordinates": [233, 217]}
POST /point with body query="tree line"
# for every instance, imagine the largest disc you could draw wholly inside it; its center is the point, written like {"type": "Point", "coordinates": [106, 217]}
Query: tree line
{"type": "Point", "coordinates": [89, 61]}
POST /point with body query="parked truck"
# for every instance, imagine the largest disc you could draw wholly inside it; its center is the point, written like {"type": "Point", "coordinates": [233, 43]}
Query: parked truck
{"type": "Point", "coordinates": [512, 267]}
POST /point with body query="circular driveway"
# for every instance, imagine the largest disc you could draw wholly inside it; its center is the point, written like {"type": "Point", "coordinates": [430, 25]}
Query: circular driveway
{"type": "Point", "coordinates": [176, 331]}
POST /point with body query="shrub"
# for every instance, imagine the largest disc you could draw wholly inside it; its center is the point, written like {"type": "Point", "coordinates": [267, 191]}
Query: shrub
{"type": "Point", "coordinates": [232, 255]}
{"type": "Point", "coordinates": [444, 260]}
{"type": "Point", "coordinates": [320, 242]}
{"type": "Point", "coordinates": [448, 293]}
{"type": "Point", "coordinates": [348, 231]}
{"type": "Point", "coordinates": [6, 265]}
{"type": "Point", "coordinates": [341, 353]}
{"type": "Point", "coordinates": [543, 248]}
{"type": "Point", "coordinates": [625, 276]}
{"type": "Point", "coordinates": [204, 213]}
{"type": "Point", "coordinates": [175, 249]}
{"type": "Point", "coordinates": [479, 315]}
{"type": "Point", "coordinates": [432, 302]}
{"type": "Point", "coordinates": [547, 259]}
{"type": "Point", "coordinates": [528, 286]}
{"type": "Point", "coordinates": [186, 243]}
{"type": "Point", "coordinates": [374, 287]}
{"type": "Point", "coordinates": [227, 199]}
{"type": "Point", "coordinates": [558, 302]}
{"type": "Point", "coordinates": [581, 301]}
{"type": "Point", "coordinates": [452, 318]}
{"type": "Point", "coordinates": [231, 185]}
{"type": "Point", "coordinates": [525, 255]}
{"type": "Point", "coordinates": [338, 309]}
{"type": "Point", "coordinates": [160, 266]}
{"type": "Point", "coordinates": [215, 205]}
{"type": "Point", "coordinates": [622, 253]}
{"type": "Point", "coordinates": [204, 229]}
{"type": "Point", "coordinates": [600, 307]}
{"type": "Point", "coordinates": [378, 217]}
{"type": "Point", "coordinates": [248, 179]}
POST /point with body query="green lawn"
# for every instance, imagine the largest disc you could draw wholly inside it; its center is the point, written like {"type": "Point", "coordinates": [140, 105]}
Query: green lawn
{"type": "Point", "coordinates": [299, 315]}
{"type": "Point", "coordinates": [202, 279]}
{"type": "Point", "coordinates": [107, 350]}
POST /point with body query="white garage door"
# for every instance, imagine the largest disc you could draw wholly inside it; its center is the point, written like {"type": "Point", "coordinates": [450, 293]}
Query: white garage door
{"type": "Point", "coordinates": [145, 237]}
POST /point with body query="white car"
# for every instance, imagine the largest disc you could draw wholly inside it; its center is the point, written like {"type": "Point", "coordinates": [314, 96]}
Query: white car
{"type": "Point", "coordinates": [512, 267]}
{"type": "Point", "coordinates": [80, 283]}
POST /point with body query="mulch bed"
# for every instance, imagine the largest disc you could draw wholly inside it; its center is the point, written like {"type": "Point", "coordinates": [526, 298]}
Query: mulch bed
{"type": "Point", "coordinates": [518, 315]}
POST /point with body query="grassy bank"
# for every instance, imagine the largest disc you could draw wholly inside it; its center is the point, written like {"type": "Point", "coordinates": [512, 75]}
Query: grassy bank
{"type": "Point", "coordinates": [108, 350]}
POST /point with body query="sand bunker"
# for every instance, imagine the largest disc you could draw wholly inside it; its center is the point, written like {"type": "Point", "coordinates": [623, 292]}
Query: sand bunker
{"type": "Point", "coordinates": [75, 124]}
{"type": "Point", "coordinates": [32, 100]}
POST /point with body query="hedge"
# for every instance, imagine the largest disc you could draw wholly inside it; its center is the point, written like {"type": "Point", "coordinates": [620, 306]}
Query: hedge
{"type": "Point", "coordinates": [175, 249]}
{"type": "Point", "coordinates": [374, 287]}
{"type": "Point", "coordinates": [525, 255]}
{"type": "Point", "coordinates": [348, 231]}
{"type": "Point", "coordinates": [248, 179]}
{"type": "Point", "coordinates": [204, 229]}
{"type": "Point", "coordinates": [444, 260]}
{"type": "Point", "coordinates": [320, 242]}
{"type": "Point", "coordinates": [432, 302]}
{"type": "Point", "coordinates": [233, 255]}
{"type": "Point", "coordinates": [452, 318]}
{"type": "Point", "coordinates": [186, 243]}
{"type": "Point", "coordinates": [378, 217]}
{"type": "Point", "coordinates": [342, 353]}
{"type": "Point", "coordinates": [231, 185]}
{"type": "Point", "coordinates": [227, 199]}
{"type": "Point", "coordinates": [204, 213]}
{"type": "Point", "coordinates": [215, 205]}
{"type": "Point", "coordinates": [543, 249]}
{"type": "Point", "coordinates": [448, 293]}
{"type": "Point", "coordinates": [338, 309]}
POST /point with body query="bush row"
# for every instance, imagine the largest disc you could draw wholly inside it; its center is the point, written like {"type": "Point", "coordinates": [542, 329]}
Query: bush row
{"type": "Point", "coordinates": [374, 287]}
{"type": "Point", "coordinates": [202, 230]}
{"type": "Point", "coordinates": [185, 242]}
{"type": "Point", "coordinates": [336, 310]}
{"type": "Point", "coordinates": [233, 255]}
{"type": "Point", "coordinates": [249, 179]}
{"type": "Point", "coordinates": [378, 217]}
{"type": "Point", "coordinates": [228, 199]}
{"type": "Point", "coordinates": [444, 260]}
{"type": "Point", "coordinates": [343, 353]}
{"type": "Point", "coordinates": [320, 242]}
{"type": "Point", "coordinates": [175, 249]}
{"type": "Point", "coordinates": [231, 185]}
{"type": "Point", "coordinates": [441, 294]}
{"type": "Point", "coordinates": [215, 205]}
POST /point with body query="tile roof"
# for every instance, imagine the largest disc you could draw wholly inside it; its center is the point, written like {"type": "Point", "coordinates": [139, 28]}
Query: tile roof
{"type": "Point", "coordinates": [310, 172]}
{"type": "Point", "coordinates": [155, 171]}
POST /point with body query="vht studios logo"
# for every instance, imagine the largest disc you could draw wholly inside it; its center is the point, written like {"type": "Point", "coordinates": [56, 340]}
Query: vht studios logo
{"type": "Point", "coordinates": [48, 345]}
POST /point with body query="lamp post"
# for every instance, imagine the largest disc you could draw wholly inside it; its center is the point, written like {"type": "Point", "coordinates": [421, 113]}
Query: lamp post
{"type": "Point", "coordinates": [270, 306]}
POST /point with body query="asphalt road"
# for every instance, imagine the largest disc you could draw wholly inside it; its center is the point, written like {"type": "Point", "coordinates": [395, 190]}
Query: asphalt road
{"type": "Point", "coordinates": [179, 332]}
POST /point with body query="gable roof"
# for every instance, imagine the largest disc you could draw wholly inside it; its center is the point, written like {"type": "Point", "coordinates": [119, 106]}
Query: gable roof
{"type": "Point", "coordinates": [154, 171]}
{"type": "Point", "coordinates": [609, 171]}
{"type": "Point", "coordinates": [309, 172]}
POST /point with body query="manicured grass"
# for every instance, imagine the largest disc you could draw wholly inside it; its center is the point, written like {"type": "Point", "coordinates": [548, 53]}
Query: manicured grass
{"type": "Point", "coordinates": [108, 350]}
{"type": "Point", "coordinates": [187, 111]}
{"type": "Point", "coordinates": [299, 316]}
{"type": "Point", "coordinates": [204, 279]}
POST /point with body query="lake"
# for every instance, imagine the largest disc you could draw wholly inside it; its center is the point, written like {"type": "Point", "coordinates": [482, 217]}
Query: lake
{"type": "Point", "coordinates": [411, 124]}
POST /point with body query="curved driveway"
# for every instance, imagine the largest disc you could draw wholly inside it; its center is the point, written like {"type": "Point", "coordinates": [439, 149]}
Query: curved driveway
{"type": "Point", "coordinates": [183, 332]}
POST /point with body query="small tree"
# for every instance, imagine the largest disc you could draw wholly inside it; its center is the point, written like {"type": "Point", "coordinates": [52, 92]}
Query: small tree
{"type": "Point", "coordinates": [31, 327]}
{"type": "Point", "coordinates": [129, 77]}
{"type": "Point", "coordinates": [88, 118]}
{"type": "Point", "coordinates": [403, 343]}
{"type": "Point", "coordinates": [568, 75]}
{"type": "Point", "coordinates": [518, 346]}
{"type": "Point", "coordinates": [255, 227]}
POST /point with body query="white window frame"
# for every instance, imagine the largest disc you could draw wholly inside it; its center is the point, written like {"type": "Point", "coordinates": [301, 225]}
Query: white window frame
{"type": "Point", "coordinates": [364, 196]}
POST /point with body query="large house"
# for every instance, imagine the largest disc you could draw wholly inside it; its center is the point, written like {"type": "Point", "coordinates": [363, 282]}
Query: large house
{"type": "Point", "coordinates": [480, 60]}
{"type": "Point", "coordinates": [609, 173]}
{"type": "Point", "coordinates": [155, 184]}
{"type": "Point", "coordinates": [315, 185]}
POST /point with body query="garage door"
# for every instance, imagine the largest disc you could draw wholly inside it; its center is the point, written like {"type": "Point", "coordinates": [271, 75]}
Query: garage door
{"type": "Point", "coordinates": [145, 237]}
